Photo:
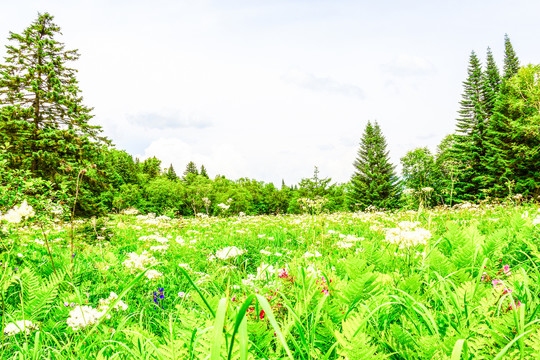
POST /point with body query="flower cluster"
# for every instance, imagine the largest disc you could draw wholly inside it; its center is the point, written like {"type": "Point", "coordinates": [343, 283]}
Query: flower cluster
{"type": "Point", "coordinates": [138, 262]}
{"type": "Point", "coordinates": [324, 285]}
{"type": "Point", "coordinates": [82, 316]}
{"type": "Point", "coordinates": [500, 286]}
{"type": "Point", "coordinates": [308, 255]}
{"type": "Point", "coordinates": [25, 326]}
{"type": "Point", "coordinates": [104, 304]}
{"type": "Point", "coordinates": [130, 211]}
{"type": "Point", "coordinates": [313, 206]}
{"type": "Point", "coordinates": [283, 273]}
{"type": "Point", "coordinates": [229, 252]}
{"type": "Point", "coordinates": [18, 213]}
{"type": "Point", "coordinates": [153, 274]}
{"type": "Point", "coordinates": [407, 234]}
{"type": "Point", "coordinates": [158, 295]}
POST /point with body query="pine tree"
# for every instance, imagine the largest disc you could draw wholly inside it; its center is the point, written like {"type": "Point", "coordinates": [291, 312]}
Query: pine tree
{"type": "Point", "coordinates": [499, 132]}
{"type": "Point", "coordinates": [191, 168]}
{"type": "Point", "coordinates": [171, 174]}
{"type": "Point", "coordinates": [203, 172]}
{"type": "Point", "coordinates": [491, 85]}
{"type": "Point", "coordinates": [469, 147]}
{"type": "Point", "coordinates": [40, 95]}
{"type": "Point", "coordinates": [511, 61]}
{"type": "Point", "coordinates": [513, 158]}
{"type": "Point", "coordinates": [374, 182]}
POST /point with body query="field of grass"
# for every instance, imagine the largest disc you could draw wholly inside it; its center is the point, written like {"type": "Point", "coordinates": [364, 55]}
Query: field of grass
{"type": "Point", "coordinates": [431, 284]}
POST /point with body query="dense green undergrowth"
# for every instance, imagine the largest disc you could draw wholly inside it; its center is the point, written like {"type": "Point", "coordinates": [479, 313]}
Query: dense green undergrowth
{"type": "Point", "coordinates": [431, 284]}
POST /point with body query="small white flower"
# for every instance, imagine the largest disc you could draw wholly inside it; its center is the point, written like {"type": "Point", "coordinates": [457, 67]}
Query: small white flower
{"type": "Point", "coordinates": [229, 252]}
{"type": "Point", "coordinates": [153, 274]}
{"type": "Point", "coordinates": [25, 326]}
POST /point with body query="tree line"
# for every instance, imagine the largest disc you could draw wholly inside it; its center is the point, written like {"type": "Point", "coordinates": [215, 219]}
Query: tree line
{"type": "Point", "coordinates": [50, 151]}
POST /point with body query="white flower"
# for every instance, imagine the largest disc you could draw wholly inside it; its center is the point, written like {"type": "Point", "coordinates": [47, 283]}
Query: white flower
{"type": "Point", "coordinates": [265, 252]}
{"type": "Point", "coordinates": [159, 248]}
{"type": "Point", "coordinates": [22, 325]}
{"type": "Point", "coordinates": [20, 255]}
{"type": "Point", "coordinates": [182, 294]}
{"type": "Point", "coordinates": [105, 303]}
{"type": "Point", "coordinates": [229, 252]}
{"type": "Point", "coordinates": [223, 206]}
{"type": "Point", "coordinates": [407, 234]}
{"type": "Point", "coordinates": [344, 244]}
{"type": "Point", "coordinates": [130, 211]}
{"type": "Point", "coordinates": [83, 316]}
{"type": "Point", "coordinates": [249, 280]}
{"type": "Point", "coordinates": [265, 271]}
{"type": "Point", "coordinates": [153, 274]}
{"type": "Point", "coordinates": [308, 255]}
{"type": "Point", "coordinates": [138, 262]}
{"type": "Point", "coordinates": [12, 217]}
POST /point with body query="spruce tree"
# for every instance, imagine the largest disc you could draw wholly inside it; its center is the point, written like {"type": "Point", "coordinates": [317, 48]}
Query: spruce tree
{"type": "Point", "coordinates": [499, 133]}
{"type": "Point", "coordinates": [39, 95]}
{"type": "Point", "coordinates": [491, 85]}
{"type": "Point", "coordinates": [511, 61]}
{"type": "Point", "coordinates": [513, 158]}
{"type": "Point", "coordinates": [469, 147]}
{"type": "Point", "coordinates": [191, 168]}
{"type": "Point", "coordinates": [203, 172]}
{"type": "Point", "coordinates": [374, 182]}
{"type": "Point", "coordinates": [171, 174]}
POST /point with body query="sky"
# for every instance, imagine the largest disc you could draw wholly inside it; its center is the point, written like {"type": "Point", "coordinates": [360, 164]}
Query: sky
{"type": "Point", "coordinates": [270, 89]}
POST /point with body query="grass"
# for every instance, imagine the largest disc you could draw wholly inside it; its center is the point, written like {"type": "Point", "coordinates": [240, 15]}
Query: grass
{"type": "Point", "coordinates": [331, 286]}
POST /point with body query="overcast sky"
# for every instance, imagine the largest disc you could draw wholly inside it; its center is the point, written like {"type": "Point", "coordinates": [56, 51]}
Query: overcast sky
{"type": "Point", "coordinates": [270, 89]}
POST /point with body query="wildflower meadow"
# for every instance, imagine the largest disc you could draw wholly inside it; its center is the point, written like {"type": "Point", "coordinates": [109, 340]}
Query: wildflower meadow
{"type": "Point", "coordinates": [459, 283]}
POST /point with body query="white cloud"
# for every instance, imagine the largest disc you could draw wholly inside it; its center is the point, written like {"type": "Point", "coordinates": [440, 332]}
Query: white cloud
{"type": "Point", "coordinates": [407, 65]}
{"type": "Point", "coordinates": [323, 84]}
{"type": "Point", "coordinates": [172, 121]}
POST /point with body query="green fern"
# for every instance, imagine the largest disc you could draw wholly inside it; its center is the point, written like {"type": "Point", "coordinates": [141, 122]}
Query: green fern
{"type": "Point", "coordinates": [354, 343]}
{"type": "Point", "coordinates": [439, 263]}
{"type": "Point", "coordinates": [467, 247]}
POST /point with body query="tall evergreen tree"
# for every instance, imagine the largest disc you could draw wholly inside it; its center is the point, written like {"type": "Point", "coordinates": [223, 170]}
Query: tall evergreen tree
{"type": "Point", "coordinates": [469, 147]}
{"type": "Point", "coordinates": [203, 172]}
{"type": "Point", "coordinates": [513, 157]}
{"type": "Point", "coordinates": [511, 61]}
{"type": "Point", "coordinates": [191, 168]}
{"type": "Point", "coordinates": [499, 133]}
{"type": "Point", "coordinates": [374, 182]}
{"type": "Point", "coordinates": [171, 174]}
{"type": "Point", "coordinates": [40, 95]}
{"type": "Point", "coordinates": [491, 85]}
